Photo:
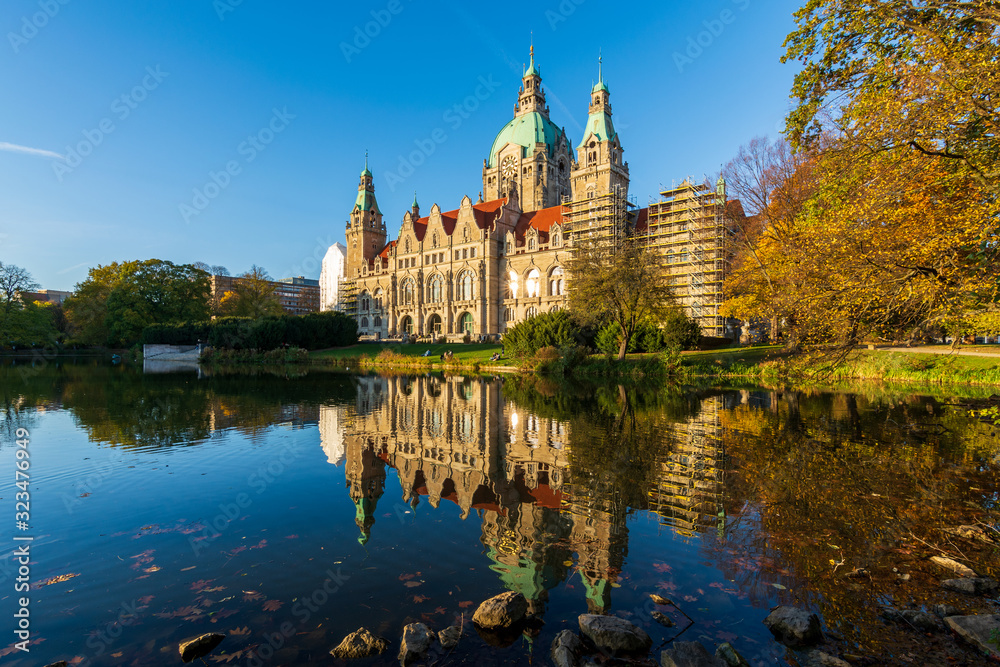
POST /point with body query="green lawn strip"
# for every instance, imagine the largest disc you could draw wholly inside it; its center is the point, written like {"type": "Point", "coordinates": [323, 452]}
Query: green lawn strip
{"type": "Point", "coordinates": [465, 354]}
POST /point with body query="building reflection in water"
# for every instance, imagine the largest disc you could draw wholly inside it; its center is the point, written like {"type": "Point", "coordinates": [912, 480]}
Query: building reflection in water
{"type": "Point", "coordinates": [461, 441]}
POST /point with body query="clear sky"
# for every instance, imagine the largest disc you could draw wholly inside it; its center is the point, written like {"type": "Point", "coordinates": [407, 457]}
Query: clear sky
{"type": "Point", "coordinates": [233, 131]}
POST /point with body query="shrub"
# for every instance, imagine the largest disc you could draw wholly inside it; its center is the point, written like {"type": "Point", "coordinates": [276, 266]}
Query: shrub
{"type": "Point", "coordinates": [677, 330]}
{"type": "Point", "coordinates": [545, 330]}
{"type": "Point", "coordinates": [311, 332]}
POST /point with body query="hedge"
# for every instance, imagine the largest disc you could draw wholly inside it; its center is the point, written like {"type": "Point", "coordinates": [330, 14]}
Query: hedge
{"type": "Point", "coordinates": [313, 331]}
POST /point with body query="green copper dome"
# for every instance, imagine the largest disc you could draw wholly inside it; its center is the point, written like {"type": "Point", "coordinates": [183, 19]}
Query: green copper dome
{"type": "Point", "coordinates": [599, 128]}
{"type": "Point", "coordinates": [601, 86]}
{"type": "Point", "coordinates": [526, 131]}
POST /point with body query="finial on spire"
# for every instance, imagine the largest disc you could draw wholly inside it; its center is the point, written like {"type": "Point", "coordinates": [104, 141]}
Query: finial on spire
{"type": "Point", "coordinates": [415, 204]}
{"type": "Point", "coordinates": [600, 65]}
{"type": "Point", "coordinates": [366, 159]}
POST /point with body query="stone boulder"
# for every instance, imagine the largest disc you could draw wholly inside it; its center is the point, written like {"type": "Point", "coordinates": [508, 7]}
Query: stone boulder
{"type": "Point", "coordinates": [566, 649]}
{"type": "Point", "coordinates": [199, 647]}
{"type": "Point", "coordinates": [919, 620]}
{"type": "Point", "coordinates": [971, 586]}
{"type": "Point", "coordinates": [953, 565]}
{"type": "Point", "coordinates": [728, 655]}
{"type": "Point", "coordinates": [820, 659]}
{"type": "Point", "coordinates": [449, 637]}
{"type": "Point", "coordinates": [416, 641]}
{"type": "Point", "coordinates": [614, 635]}
{"type": "Point", "coordinates": [980, 631]}
{"type": "Point", "coordinates": [360, 644]}
{"type": "Point", "coordinates": [794, 627]}
{"type": "Point", "coordinates": [501, 611]}
{"type": "Point", "coordinates": [944, 610]}
{"type": "Point", "coordinates": [689, 654]}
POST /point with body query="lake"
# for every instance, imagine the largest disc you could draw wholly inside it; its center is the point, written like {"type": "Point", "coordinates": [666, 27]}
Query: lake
{"type": "Point", "coordinates": [286, 509]}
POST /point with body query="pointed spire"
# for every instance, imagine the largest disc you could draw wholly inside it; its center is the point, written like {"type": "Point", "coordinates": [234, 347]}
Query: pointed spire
{"type": "Point", "coordinates": [600, 65]}
{"type": "Point", "coordinates": [415, 204]}
{"type": "Point", "coordinates": [366, 172]}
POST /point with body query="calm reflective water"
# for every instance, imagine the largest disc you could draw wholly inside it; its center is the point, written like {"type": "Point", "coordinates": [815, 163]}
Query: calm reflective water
{"type": "Point", "coordinates": [288, 511]}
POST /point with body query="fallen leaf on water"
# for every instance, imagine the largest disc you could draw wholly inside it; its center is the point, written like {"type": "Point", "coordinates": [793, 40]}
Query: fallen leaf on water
{"type": "Point", "coordinates": [154, 568]}
{"type": "Point", "coordinates": [412, 584]}
{"type": "Point", "coordinates": [55, 580]}
{"type": "Point", "coordinates": [252, 596]}
{"type": "Point", "coordinates": [417, 599]}
{"type": "Point", "coordinates": [189, 568]}
{"type": "Point", "coordinates": [240, 632]}
{"type": "Point", "coordinates": [465, 605]}
{"type": "Point", "coordinates": [406, 577]}
{"type": "Point", "coordinates": [779, 587]}
{"type": "Point", "coordinates": [273, 605]}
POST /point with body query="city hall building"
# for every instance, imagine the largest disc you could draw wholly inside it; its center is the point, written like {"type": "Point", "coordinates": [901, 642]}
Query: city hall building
{"type": "Point", "coordinates": [485, 266]}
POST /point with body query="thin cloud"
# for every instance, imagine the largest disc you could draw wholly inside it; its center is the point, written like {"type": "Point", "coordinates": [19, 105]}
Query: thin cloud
{"type": "Point", "coordinates": [37, 152]}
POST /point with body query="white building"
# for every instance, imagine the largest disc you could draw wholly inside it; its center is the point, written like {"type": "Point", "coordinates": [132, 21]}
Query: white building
{"type": "Point", "coordinates": [331, 433]}
{"type": "Point", "coordinates": [330, 278]}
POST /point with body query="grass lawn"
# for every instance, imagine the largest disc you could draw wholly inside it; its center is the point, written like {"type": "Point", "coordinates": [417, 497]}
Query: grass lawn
{"type": "Point", "coordinates": [465, 354]}
{"type": "Point", "coordinates": [727, 357]}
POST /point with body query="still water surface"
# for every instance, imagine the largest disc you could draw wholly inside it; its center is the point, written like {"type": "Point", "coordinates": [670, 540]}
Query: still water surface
{"type": "Point", "coordinates": [287, 511]}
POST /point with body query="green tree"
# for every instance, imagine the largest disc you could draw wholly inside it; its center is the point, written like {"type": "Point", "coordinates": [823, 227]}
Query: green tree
{"type": "Point", "coordinates": [116, 302]}
{"type": "Point", "coordinates": [252, 295]}
{"type": "Point", "coordinates": [14, 281]}
{"type": "Point", "coordinates": [619, 284]}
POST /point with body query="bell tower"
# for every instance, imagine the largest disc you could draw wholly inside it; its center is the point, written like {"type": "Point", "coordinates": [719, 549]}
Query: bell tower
{"type": "Point", "coordinates": [365, 230]}
{"type": "Point", "coordinates": [600, 169]}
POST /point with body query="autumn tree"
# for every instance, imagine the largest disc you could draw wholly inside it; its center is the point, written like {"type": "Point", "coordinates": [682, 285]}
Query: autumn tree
{"type": "Point", "coordinates": [116, 302]}
{"type": "Point", "coordinates": [770, 185]}
{"type": "Point", "coordinates": [14, 281]}
{"type": "Point", "coordinates": [252, 295]}
{"type": "Point", "coordinates": [622, 284]}
{"type": "Point", "coordinates": [901, 76]}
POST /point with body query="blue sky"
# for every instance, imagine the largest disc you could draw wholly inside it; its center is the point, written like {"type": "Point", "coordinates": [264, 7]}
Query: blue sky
{"type": "Point", "coordinates": [233, 131]}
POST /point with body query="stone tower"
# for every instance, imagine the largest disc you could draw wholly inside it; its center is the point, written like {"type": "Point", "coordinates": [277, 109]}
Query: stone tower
{"type": "Point", "coordinates": [599, 167]}
{"type": "Point", "coordinates": [530, 154]}
{"type": "Point", "coordinates": [365, 230]}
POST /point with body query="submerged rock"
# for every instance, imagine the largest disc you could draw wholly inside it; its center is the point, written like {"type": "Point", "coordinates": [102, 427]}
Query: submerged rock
{"type": "Point", "coordinates": [199, 647]}
{"type": "Point", "coordinates": [920, 620]}
{"type": "Point", "coordinates": [360, 644]}
{"type": "Point", "coordinates": [953, 565]}
{"type": "Point", "coordinates": [820, 659]}
{"type": "Point", "coordinates": [566, 648]}
{"type": "Point", "coordinates": [689, 654]}
{"type": "Point", "coordinates": [794, 627]}
{"type": "Point", "coordinates": [449, 636]}
{"type": "Point", "coordinates": [980, 631]}
{"type": "Point", "coordinates": [501, 611]}
{"type": "Point", "coordinates": [416, 641]}
{"type": "Point", "coordinates": [730, 656]}
{"type": "Point", "coordinates": [971, 586]}
{"type": "Point", "coordinates": [944, 610]}
{"type": "Point", "coordinates": [971, 533]}
{"type": "Point", "coordinates": [663, 619]}
{"type": "Point", "coordinates": [613, 634]}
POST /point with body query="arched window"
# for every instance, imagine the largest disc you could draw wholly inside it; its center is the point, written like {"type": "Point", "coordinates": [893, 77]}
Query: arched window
{"type": "Point", "coordinates": [365, 302]}
{"type": "Point", "coordinates": [364, 322]}
{"type": "Point", "coordinates": [378, 322]}
{"type": "Point", "coordinates": [466, 324]}
{"type": "Point", "coordinates": [435, 290]}
{"type": "Point", "coordinates": [512, 286]}
{"type": "Point", "coordinates": [508, 314]}
{"type": "Point", "coordinates": [531, 312]}
{"type": "Point", "coordinates": [531, 285]}
{"type": "Point", "coordinates": [406, 246]}
{"type": "Point", "coordinates": [378, 299]}
{"type": "Point", "coordinates": [556, 240]}
{"type": "Point", "coordinates": [531, 244]}
{"type": "Point", "coordinates": [406, 292]}
{"type": "Point", "coordinates": [406, 325]}
{"type": "Point", "coordinates": [464, 287]}
{"type": "Point", "coordinates": [556, 284]}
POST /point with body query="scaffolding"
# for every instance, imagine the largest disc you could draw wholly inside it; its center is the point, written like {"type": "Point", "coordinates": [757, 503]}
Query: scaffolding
{"type": "Point", "coordinates": [686, 227]}
{"type": "Point", "coordinates": [348, 297]}
{"type": "Point", "coordinates": [602, 218]}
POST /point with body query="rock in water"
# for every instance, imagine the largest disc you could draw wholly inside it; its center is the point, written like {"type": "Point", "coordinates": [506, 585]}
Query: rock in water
{"type": "Point", "coordinates": [920, 620]}
{"type": "Point", "coordinates": [417, 639]}
{"type": "Point", "coordinates": [565, 649]}
{"type": "Point", "coordinates": [973, 586]}
{"type": "Point", "coordinates": [980, 631]}
{"type": "Point", "coordinates": [728, 655]}
{"type": "Point", "coordinates": [360, 644]}
{"type": "Point", "coordinates": [501, 611]}
{"type": "Point", "coordinates": [199, 647]}
{"type": "Point", "coordinates": [662, 619]}
{"type": "Point", "coordinates": [944, 610]}
{"type": "Point", "coordinates": [820, 659]}
{"type": "Point", "coordinates": [794, 627]}
{"type": "Point", "coordinates": [61, 663]}
{"type": "Point", "coordinates": [689, 654]}
{"type": "Point", "coordinates": [449, 636]}
{"type": "Point", "coordinates": [614, 634]}
{"type": "Point", "coordinates": [954, 566]}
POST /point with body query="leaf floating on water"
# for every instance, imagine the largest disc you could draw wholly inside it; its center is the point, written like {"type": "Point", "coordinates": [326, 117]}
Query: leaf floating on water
{"type": "Point", "coordinates": [252, 596]}
{"type": "Point", "coordinates": [412, 584]}
{"type": "Point", "coordinates": [465, 605]}
{"type": "Point", "coordinates": [417, 599]}
{"type": "Point", "coordinates": [568, 563]}
{"type": "Point", "coordinates": [273, 605]}
{"type": "Point", "coordinates": [55, 580]}
{"type": "Point", "coordinates": [155, 568]}
{"type": "Point", "coordinates": [780, 587]}
{"type": "Point", "coordinates": [189, 568]}
{"type": "Point", "coordinates": [240, 632]}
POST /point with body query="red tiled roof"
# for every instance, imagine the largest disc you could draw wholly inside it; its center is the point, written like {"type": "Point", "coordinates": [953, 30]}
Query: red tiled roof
{"type": "Point", "coordinates": [642, 220]}
{"type": "Point", "coordinates": [487, 212]}
{"type": "Point", "coordinates": [385, 251]}
{"type": "Point", "coordinates": [484, 214]}
{"type": "Point", "coordinates": [541, 220]}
